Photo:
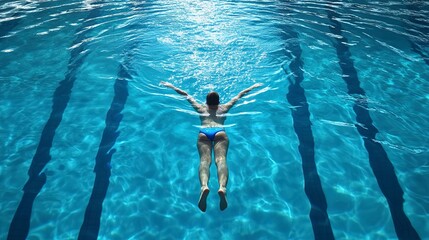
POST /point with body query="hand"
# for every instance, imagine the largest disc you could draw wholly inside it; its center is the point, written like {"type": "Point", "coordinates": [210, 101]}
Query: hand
{"type": "Point", "coordinates": [167, 84]}
{"type": "Point", "coordinates": [256, 85]}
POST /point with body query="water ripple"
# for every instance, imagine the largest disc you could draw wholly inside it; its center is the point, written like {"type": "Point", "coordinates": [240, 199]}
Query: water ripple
{"type": "Point", "coordinates": [224, 46]}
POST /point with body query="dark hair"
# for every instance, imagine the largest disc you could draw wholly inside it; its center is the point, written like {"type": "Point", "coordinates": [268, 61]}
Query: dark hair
{"type": "Point", "coordinates": [212, 98]}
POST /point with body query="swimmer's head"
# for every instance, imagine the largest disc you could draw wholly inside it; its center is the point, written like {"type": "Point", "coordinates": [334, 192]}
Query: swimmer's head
{"type": "Point", "coordinates": [212, 99]}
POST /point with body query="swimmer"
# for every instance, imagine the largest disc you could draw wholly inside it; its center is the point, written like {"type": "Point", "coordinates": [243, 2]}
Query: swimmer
{"type": "Point", "coordinates": [212, 136]}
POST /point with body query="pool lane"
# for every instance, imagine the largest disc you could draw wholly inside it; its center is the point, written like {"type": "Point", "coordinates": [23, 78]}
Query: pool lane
{"type": "Point", "coordinates": [91, 224]}
{"type": "Point", "coordinates": [380, 164]}
{"type": "Point", "coordinates": [321, 224]}
{"type": "Point", "coordinates": [19, 227]}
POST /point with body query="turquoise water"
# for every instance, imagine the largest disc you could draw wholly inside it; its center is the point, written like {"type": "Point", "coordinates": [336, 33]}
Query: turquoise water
{"type": "Point", "coordinates": [74, 73]}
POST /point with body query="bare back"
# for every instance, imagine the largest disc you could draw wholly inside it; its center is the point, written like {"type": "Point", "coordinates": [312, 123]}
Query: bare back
{"type": "Point", "coordinates": [213, 116]}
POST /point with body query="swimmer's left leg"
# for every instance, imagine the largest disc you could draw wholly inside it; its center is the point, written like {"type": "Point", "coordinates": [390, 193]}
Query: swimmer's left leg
{"type": "Point", "coordinates": [223, 202]}
{"type": "Point", "coordinates": [221, 149]}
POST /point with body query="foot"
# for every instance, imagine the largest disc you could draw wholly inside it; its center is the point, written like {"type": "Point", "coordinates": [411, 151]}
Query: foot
{"type": "Point", "coordinates": [202, 204]}
{"type": "Point", "coordinates": [223, 202]}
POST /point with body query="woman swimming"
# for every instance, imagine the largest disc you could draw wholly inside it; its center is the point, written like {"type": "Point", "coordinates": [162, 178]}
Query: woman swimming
{"type": "Point", "coordinates": [212, 136]}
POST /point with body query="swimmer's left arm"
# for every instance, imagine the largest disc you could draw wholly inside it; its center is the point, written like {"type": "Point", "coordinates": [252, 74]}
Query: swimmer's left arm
{"type": "Point", "coordinates": [190, 99]}
{"type": "Point", "coordinates": [240, 95]}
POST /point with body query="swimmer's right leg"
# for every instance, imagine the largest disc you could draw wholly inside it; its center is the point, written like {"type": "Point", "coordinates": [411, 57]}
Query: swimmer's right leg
{"type": "Point", "coordinates": [205, 150]}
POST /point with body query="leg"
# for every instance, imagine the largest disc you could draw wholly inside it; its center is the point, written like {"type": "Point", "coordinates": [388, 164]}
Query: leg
{"type": "Point", "coordinates": [221, 149]}
{"type": "Point", "coordinates": [205, 150]}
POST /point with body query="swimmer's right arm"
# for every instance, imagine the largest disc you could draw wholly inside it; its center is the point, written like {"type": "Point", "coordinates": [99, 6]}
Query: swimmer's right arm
{"type": "Point", "coordinates": [190, 99]}
{"type": "Point", "coordinates": [178, 90]}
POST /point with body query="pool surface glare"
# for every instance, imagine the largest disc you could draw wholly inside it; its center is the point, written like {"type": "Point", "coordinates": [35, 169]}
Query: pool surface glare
{"type": "Point", "coordinates": [332, 146]}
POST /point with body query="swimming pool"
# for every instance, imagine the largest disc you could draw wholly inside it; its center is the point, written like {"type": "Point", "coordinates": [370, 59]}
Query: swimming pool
{"type": "Point", "coordinates": [326, 149]}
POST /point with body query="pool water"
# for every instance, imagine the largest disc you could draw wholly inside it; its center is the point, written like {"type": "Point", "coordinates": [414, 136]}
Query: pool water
{"type": "Point", "coordinates": [332, 146]}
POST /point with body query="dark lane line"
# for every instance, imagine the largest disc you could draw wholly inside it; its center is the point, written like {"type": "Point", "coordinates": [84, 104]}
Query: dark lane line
{"type": "Point", "coordinates": [378, 159]}
{"type": "Point", "coordinates": [421, 26]}
{"type": "Point", "coordinates": [419, 50]}
{"type": "Point", "coordinates": [20, 225]}
{"type": "Point", "coordinates": [91, 224]}
{"type": "Point", "coordinates": [9, 25]}
{"type": "Point", "coordinates": [301, 122]}
{"type": "Point", "coordinates": [90, 227]}
{"type": "Point", "coordinates": [62, 97]}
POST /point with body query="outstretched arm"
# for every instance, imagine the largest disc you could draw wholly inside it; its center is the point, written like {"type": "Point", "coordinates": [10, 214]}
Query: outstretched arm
{"type": "Point", "coordinates": [239, 95]}
{"type": "Point", "coordinates": [190, 99]}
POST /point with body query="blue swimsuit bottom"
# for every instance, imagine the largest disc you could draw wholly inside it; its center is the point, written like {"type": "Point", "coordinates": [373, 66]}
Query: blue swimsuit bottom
{"type": "Point", "coordinates": [210, 132]}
